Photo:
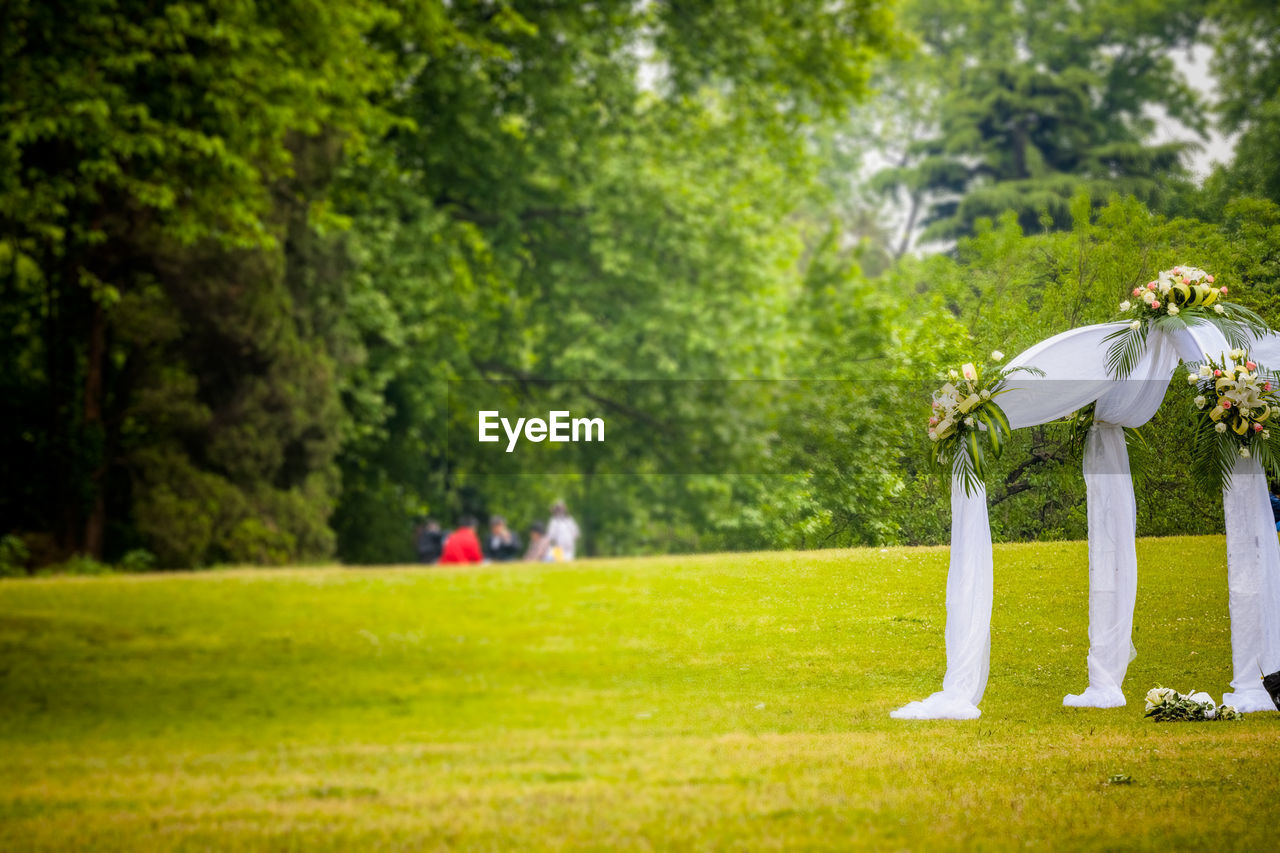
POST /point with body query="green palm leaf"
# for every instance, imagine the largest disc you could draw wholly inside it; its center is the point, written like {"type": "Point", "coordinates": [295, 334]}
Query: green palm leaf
{"type": "Point", "coordinates": [993, 430]}
{"type": "Point", "coordinates": [1000, 417]}
{"type": "Point", "coordinates": [1126, 350]}
{"type": "Point", "coordinates": [975, 452]}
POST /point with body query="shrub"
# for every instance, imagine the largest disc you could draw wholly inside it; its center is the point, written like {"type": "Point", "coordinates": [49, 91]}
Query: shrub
{"type": "Point", "coordinates": [137, 560]}
{"type": "Point", "coordinates": [78, 564]}
{"type": "Point", "coordinates": [14, 557]}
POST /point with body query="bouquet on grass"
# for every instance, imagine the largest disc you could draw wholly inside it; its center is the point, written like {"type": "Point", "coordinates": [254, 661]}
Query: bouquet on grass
{"type": "Point", "coordinates": [963, 409]}
{"type": "Point", "coordinates": [1166, 705]}
{"type": "Point", "coordinates": [1176, 298]}
{"type": "Point", "coordinates": [1236, 405]}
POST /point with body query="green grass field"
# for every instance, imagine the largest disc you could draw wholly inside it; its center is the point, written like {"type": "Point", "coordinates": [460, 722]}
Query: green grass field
{"type": "Point", "coordinates": [686, 702]}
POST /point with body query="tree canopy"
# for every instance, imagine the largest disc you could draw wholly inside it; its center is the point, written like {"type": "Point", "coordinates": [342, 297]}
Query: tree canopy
{"type": "Point", "coordinates": [259, 262]}
{"type": "Point", "coordinates": [1034, 103]}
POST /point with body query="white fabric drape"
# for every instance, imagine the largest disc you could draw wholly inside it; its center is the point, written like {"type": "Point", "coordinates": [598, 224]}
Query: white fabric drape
{"type": "Point", "coordinates": [1253, 555]}
{"type": "Point", "coordinates": [1074, 374]}
{"type": "Point", "coordinates": [1112, 514]}
{"type": "Point", "coordinates": [1113, 566]}
{"type": "Point", "coordinates": [1265, 349]}
{"type": "Point", "coordinates": [969, 596]}
{"type": "Point", "coordinates": [1253, 584]}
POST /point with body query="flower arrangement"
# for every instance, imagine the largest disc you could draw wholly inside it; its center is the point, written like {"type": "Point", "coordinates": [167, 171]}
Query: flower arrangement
{"type": "Point", "coordinates": [1166, 705]}
{"type": "Point", "coordinates": [1235, 403]}
{"type": "Point", "coordinates": [963, 409]}
{"type": "Point", "coordinates": [1176, 289]}
{"type": "Point", "coordinates": [1181, 296]}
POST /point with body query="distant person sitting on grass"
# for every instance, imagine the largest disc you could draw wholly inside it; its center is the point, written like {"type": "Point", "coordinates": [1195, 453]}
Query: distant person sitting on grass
{"type": "Point", "coordinates": [462, 546]}
{"type": "Point", "coordinates": [504, 544]}
{"type": "Point", "coordinates": [539, 547]}
{"type": "Point", "coordinates": [430, 541]}
{"type": "Point", "coordinates": [562, 533]}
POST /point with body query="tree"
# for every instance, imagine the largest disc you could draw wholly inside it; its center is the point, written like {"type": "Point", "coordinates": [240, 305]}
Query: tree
{"type": "Point", "coordinates": [601, 193]}
{"type": "Point", "coordinates": [1040, 102]}
{"type": "Point", "coordinates": [159, 166]}
{"type": "Point", "coordinates": [1247, 67]}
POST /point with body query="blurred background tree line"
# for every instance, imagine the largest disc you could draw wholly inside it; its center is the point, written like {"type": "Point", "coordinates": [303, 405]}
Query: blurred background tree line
{"type": "Point", "coordinates": [245, 249]}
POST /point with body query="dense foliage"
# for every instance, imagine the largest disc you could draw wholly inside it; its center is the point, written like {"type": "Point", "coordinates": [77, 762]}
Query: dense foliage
{"type": "Point", "coordinates": [1028, 104]}
{"type": "Point", "coordinates": [258, 261]}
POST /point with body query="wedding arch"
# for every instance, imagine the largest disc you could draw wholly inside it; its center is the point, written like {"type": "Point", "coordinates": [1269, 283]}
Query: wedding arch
{"type": "Point", "coordinates": [1050, 381]}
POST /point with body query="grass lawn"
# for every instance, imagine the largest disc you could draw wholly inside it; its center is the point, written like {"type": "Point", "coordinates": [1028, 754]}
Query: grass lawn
{"type": "Point", "coordinates": [697, 702]}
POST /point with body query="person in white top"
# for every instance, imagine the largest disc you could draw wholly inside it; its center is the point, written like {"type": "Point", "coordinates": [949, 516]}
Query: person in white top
{"type": "Point", "coordinates": [562, 533]}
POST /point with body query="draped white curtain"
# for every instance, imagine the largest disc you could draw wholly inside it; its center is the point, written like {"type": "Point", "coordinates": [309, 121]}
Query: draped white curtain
{"type": "Point", "coordinates": [969, 597]}
{"type": "Point", "coordinates": [1113, 566]}
{"type": "Point", "coordinates": [1253, 585]}
{"type": "Point", "coordinates": [1074, 374]}
{"type": "Point", "coordinates": [1113, 515]}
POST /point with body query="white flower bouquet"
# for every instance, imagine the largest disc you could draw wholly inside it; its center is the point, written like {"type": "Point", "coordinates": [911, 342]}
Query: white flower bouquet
{"type": "Point", "coordinates": [1166, 705]}
{"type": "Point", "coordinates": [1181, 296]}
{"type": "Point", "coordinates": [1236, 404]}
{"type": "Point", "coordinates": [1175, 290]}
{"type": "Point", "coordinates": [963, 409]}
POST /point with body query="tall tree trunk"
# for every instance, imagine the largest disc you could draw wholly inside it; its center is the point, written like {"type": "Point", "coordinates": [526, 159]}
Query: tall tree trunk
{"type": "Point", "coordinates": [94, 430]}
{"type": "Point", "coordinates": [57, 497]}
{"type": "Point", "coordinates": [916, 194]}
{"type": "Point", "coordinates": [1020, 151]}
{"type": "Point", "coordinates": [589, 521]}
{"type": "Point", "coordinates": [910, 226]}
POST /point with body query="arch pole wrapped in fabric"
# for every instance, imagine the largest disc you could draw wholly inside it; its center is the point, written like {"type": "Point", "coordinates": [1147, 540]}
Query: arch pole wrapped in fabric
{"type": "Point", "coordinates": [1070, 372]}
{"type": "Point", "coordinates": [1253, 586]}
{"type": "Point", "coordinates": [1253, 569]}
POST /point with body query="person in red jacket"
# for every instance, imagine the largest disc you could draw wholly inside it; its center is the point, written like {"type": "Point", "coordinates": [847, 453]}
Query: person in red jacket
{"type": "Point", "coordinates": [462, 546]}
